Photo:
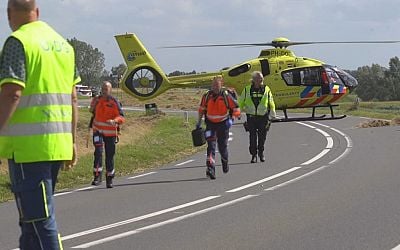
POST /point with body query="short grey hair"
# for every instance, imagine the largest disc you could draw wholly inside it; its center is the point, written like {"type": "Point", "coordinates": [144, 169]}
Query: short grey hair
{"type": "Point", "coordinates": [255, 74]}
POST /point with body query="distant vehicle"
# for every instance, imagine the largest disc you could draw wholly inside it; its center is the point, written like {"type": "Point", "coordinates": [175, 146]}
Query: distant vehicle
{"type": "Point", "coordinates": [83, 90]}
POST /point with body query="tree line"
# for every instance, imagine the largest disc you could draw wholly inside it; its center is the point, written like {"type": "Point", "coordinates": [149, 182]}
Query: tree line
{"type": "Point", "coordinates": [376, 83]}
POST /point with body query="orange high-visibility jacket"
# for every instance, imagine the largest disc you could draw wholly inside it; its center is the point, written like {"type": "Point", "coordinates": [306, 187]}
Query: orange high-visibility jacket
{"type": "Point", "coordinates": [104, 109]}
{"type": "Point", "coordinates": [217, 108]}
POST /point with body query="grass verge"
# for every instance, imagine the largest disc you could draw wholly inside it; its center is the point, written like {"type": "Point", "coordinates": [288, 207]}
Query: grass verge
{"type": "Point", "coordinates": [147, 142]}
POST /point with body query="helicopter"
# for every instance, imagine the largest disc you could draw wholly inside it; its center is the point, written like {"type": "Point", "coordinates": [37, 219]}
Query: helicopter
{"type": "Point", "coordinates": [296, 82]}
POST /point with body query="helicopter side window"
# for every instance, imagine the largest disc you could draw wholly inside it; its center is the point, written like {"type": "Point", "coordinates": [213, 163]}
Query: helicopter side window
{"type": "Point", "coordinates": [303, 76]}
{"type": "Point", "coordinates": [239, 70]}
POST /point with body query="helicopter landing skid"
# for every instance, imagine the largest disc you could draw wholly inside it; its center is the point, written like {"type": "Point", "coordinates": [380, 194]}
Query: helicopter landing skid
{"type": "Point", "coordinates": [312, 117]}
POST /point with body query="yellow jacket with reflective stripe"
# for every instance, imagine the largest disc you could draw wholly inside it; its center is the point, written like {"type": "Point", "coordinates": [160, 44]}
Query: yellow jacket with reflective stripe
{"type": "Point", "coordinates": [41, 127]}
{"type": "Point", "coordinates": [246, 103]}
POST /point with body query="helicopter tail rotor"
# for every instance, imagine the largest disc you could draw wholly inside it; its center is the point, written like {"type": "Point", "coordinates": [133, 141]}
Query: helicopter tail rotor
{"type": "Point", "coordinates": [143, 77]}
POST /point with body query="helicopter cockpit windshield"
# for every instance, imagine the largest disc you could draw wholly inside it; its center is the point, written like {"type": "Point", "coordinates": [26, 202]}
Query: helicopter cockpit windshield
{"type": "Point", "coordinates": [340, 76]}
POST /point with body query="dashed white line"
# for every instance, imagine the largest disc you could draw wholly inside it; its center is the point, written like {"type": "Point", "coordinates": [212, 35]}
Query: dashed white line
{"type": "Point", "coordinates": [262, 180]}
{"type": "Point", "coordinates": [346, 152]}
{"type": "Point", "coordinates": [70, 192]}
{"type": "Point", "coordinates": [138, 176]}
{"type": "Point", "coordinates": [117, 224]}
{"type": "Point", "coordinates": [315, 158]}
{"type": "Point", "coordinates": [307, 125]}
{"type": "Point", "coordinates": [183, 217]}
{"type": "Point", "coordinates": [295, 179]}
{"type": "Point", "coordinates": [183, 163]}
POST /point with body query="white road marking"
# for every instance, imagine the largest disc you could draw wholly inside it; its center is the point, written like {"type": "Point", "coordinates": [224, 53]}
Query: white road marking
{"type": "Point", "coordinates": [183, 163]}
{"type": "Point", "coordinates": [348, 140]}
{"type": "Point", "coordinates": [346, 152]}
{"type": "Point", "coordinates": [141, 175]}
{"type": "Point", "coordinates": [163, 223]}
{"type": "Point", "coordinates": [295, 179]}
{"type": "Point", "coordinates": [396, 248]}
{"type": "Point", "coordinates": [143, 217]}
{"type": "Point", "coordinates": [305, 124]}
{"type": "Point", "coordinates": [315, 158]}
{"type": "Point", "coordinates": [70, 192]}
{"type": "Point", "coordinates": [330, 142]}
{"type": "Point", "coordinates": [262, 180]}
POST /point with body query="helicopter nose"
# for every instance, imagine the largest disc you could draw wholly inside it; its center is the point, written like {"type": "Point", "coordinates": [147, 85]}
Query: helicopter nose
{"type": "Point", "coordinates": [348, 80]}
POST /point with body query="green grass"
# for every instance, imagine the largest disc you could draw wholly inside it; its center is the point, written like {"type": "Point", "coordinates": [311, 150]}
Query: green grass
{"type": "Point", "coordinates": [169, 140]}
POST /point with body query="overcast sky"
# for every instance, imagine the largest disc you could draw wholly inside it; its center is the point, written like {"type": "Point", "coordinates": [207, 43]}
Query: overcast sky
{"type": "Point", "coordinates": [176, 22]}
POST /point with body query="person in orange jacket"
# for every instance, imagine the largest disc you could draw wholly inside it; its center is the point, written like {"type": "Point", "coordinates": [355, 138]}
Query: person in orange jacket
{"type": "Point", "coordinates": [107, 116]}
{"type": "Point", "coordinates": [219, 107]}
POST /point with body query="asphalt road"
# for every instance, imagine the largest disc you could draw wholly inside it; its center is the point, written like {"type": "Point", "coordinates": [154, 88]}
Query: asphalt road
{"type": "Point", "coordinates": [325, 185]}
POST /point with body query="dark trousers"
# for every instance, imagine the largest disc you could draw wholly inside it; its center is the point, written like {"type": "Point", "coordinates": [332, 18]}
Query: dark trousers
{"type": "Point", "coordinates": [216, 133]}
{"type": "Point", "coordinates": [257, 133]}
{"type": "Point", "coordinates": [33, 186]}
{"type": "Point", "coordinates": [108, 143]}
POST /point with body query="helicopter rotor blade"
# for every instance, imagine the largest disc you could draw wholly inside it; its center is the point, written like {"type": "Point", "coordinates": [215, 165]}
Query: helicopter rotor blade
{"type": "Point", "coordinates": [218, 45]}
{"type": "Point", "coordinates": [279, 44]}
{"type": "Point", "coordinates": [343, 42]}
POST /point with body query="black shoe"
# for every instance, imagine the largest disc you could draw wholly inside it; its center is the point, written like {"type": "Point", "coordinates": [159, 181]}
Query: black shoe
{"type": "Point", "coordinates": [262, 158]}
{"type": "Point", "coordinates": [109, 183]}
{"type": "Point", "coordinates": [97, 179]}
{"type": "Point", "coordinates": [225, 166]}
{"type": "Point", "coordinates": [210, 172]}
{"type": "Point", "coordinates": [254, 159]}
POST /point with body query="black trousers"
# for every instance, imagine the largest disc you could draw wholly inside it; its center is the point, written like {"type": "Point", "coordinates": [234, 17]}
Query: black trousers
{"type": "Point", "coordinates": [108, 143]}
{"type": "Point", "coordinates": [258, 133]}
{"type": "Point", "coordinates": [216, 133]}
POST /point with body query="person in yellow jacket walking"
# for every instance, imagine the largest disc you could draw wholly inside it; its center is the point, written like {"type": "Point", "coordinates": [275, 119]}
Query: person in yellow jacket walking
{"type": "Point", "coordinates": [257, 102]}
{"type": "Point", "coordinates": [38, 117]}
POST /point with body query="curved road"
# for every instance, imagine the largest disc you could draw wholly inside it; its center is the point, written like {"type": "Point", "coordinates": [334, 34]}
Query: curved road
{"type": "Point", "coordinates": [325, 185]}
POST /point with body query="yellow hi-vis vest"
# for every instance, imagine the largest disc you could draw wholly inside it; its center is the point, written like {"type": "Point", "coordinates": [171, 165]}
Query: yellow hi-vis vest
{"type": "Point", "coordinates": [246, 103]}
{"type": "Point", "coordinates": [41, 127]}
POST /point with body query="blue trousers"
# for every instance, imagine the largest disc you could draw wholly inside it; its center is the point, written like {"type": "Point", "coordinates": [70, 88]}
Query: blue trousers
{"type": "Point", "coordinates": [33, 186]}
{"type": "Point", "coordinates": [216, 133]}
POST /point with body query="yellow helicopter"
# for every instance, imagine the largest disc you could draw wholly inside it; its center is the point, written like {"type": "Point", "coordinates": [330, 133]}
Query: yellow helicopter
{"type": "Point", "coordinates": [296, 82]}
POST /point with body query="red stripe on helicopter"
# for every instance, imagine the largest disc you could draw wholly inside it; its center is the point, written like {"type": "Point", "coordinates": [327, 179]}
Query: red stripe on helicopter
{"type": "Point", "coordinates": [318, 101]}
{"type": "Point", "coordinates": [335, 98]}
{"type": "Point", "coordinates": [301, 103]}
{"type": "Point", "coordinates": [306, 93]}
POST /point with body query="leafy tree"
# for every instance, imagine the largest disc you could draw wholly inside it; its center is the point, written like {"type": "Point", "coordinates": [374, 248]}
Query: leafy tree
{"type": "Point", "coordinates": [90, 62]}
{"type": "Point", "coordinates": [393, 77]}
{"type": "Point", "coordinates": [119, 70]}
{"type": "Point", "coordinates": [179, 73]}
{"type": "Point", "coordinates": [371, 82]}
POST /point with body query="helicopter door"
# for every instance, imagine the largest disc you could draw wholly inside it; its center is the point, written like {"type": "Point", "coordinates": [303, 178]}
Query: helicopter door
{"type": "Point", "coordinates": [325, 89]}
{"type": "Point", "coordinates": [265, 67]}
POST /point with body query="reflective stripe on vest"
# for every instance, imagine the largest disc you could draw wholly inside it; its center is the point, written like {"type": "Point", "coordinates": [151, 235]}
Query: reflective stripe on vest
{"type": "Point", "coordinates": [44, 100]}
{"type": "Point", "coordinates": [37, 129]}
{"type": "Point", "coordinates": [217, 118]}
{"type": "Point", "coordinates": [104, 128]}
